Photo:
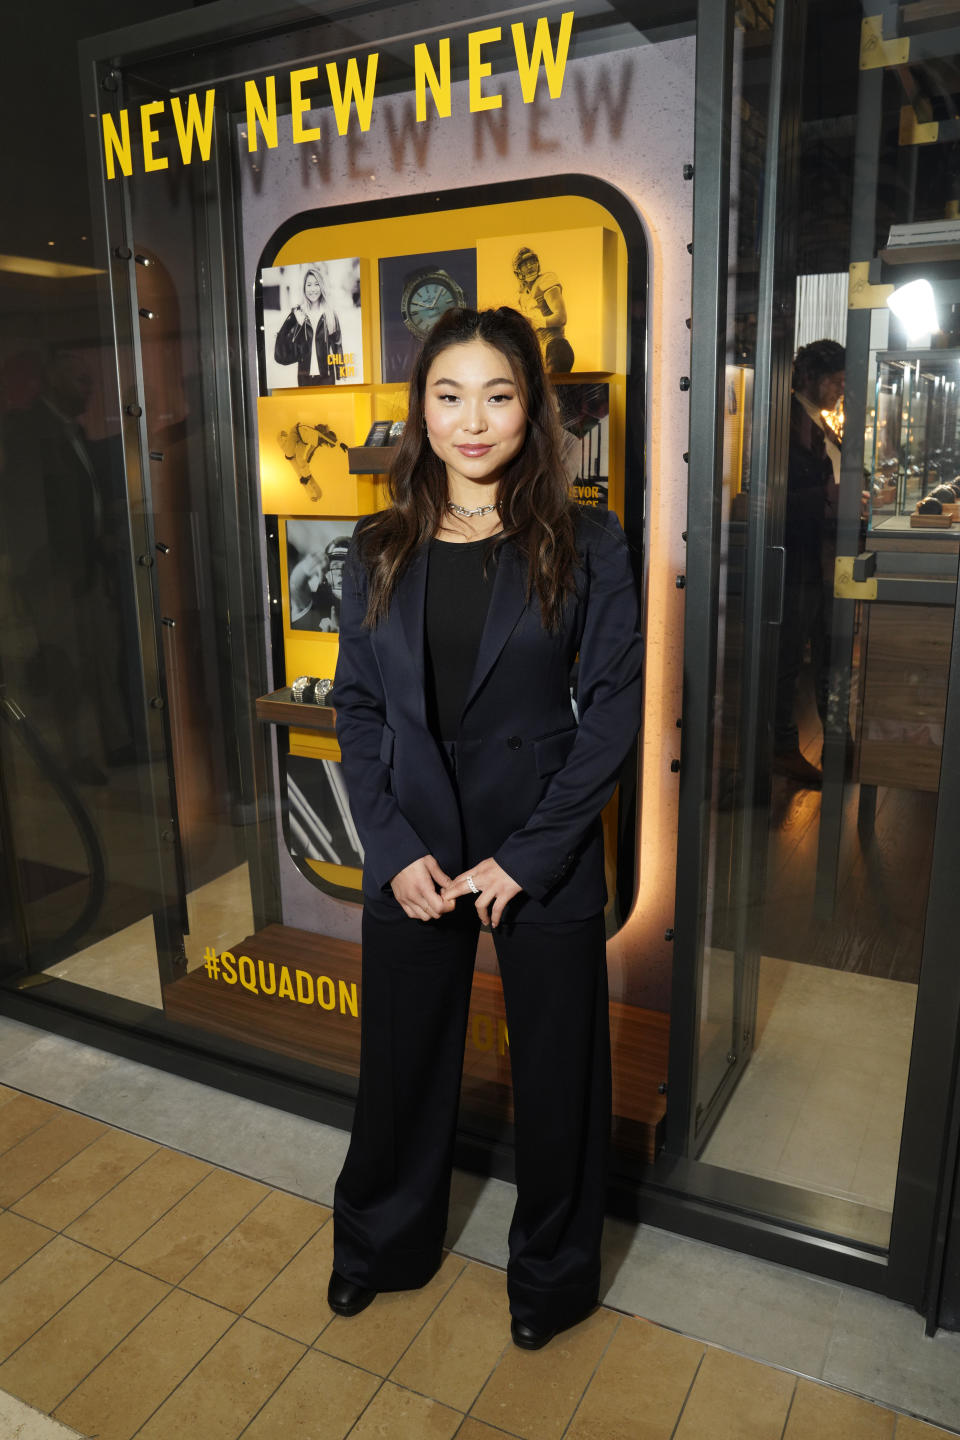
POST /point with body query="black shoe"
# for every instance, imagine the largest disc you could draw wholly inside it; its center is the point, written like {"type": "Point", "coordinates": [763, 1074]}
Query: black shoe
{"type": "Point", "coordinates": [529, 1338]}
{"type": "Point", "coordinates": [345, 1298]}
{"type": "Point", "coordinates": [797, 767]}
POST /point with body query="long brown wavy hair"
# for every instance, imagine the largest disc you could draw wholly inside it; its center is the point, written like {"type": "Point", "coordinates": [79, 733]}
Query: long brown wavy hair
{"type": "Point", "coordinates": [533, 495]}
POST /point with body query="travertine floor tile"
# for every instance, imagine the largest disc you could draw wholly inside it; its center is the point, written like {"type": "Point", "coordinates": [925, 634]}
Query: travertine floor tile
{"type": "Point", "coordinates": [640, 1385]}
{"type": "Point", "coordinates": [180, 1239]}
{"type": "Point", "coordinates": [128, 1386]}
{"type": "Point", "coordinates": [19, 1239]}
{"type": "Point", "coordinates": [319, 1400]}
{"type": "Point", "coordinates": [7, 1094]}
{"type": "Point", "coordinates": [85, 1179]}
{"type": "Point", "coordinates": [131, 1207]}
{"type": "Point", "coordinates": [296, 1302]}
{"type": "Point", "coordinates": [20, 1116]}
{"type": "Point", "coordinates": [908, 1429]}
{"type": "Point", "coordinates": [376, 1339]}
{"type": "Point", "coordinates": [395, 1414]}
{"type": "Point", "coordinates": [818, 1411]}
{"type": "Point", "coordinates": [736, 1399]}
{"type": "Point", "coordinates": [476, 1430]}
{"type": "Point", "coordinates": [227, 1388]}
{"type": "Point", "coordinates": [20, 1422]}
{"type": "Point", "coordinates": [256, 1251]}
{"type": "Point", "coordinates": [62, 1352]}
{"type": "Point", "coordinates": [461, 1342]}
{"type": "Point", "coordinates": [534, 1393]}
{"type": "Point", "coordinates": [43, 1151]}
{"type": "Point", "coordinates": [41, 1285]}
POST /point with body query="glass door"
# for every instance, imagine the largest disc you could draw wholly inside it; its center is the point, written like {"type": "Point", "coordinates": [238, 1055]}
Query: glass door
{"type": "Point", "coordinates": [734, 572]}
{"type": "Point", "coordinates": [812, 797]}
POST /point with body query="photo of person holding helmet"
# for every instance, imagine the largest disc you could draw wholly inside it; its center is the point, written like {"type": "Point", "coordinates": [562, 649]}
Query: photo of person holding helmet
{"type": "Point", "coordinates": [541, 300]}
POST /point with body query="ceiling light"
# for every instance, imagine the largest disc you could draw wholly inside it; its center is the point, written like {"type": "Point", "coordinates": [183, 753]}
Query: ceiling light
{"type": "Point", "coordinates": [915, 307]}
{"type": "Point", "coordinates": [48, 269]}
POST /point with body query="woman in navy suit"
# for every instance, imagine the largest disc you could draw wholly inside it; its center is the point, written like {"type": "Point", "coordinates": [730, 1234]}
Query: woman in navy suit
{"type": "Point", "coordinates": [477, 788]}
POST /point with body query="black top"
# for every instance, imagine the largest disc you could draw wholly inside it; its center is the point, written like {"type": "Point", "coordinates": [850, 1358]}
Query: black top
{"type": "Point", "coordinates": [458, 596]}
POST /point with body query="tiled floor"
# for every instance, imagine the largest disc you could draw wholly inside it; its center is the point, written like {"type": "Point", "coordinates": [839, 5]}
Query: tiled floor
{"type": "Point", "coordinates": [164, 1250]}
{"type": "Point", "coordinates": [821, 1102]}
{"type": "Point", "coordinates": [148, 1293]}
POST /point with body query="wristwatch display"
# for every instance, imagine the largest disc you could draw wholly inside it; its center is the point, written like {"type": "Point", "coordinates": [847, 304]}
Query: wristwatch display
{"type": "Point", "coordinates": [310, 690]}
{"type": "Point", "coordinates": [426, 295]}
{"type": "Point", "coordinates": [302, 689]}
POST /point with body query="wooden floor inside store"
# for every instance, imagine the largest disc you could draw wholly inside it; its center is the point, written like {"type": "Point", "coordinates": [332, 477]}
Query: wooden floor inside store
{"type": "Point", "coordinates": [884, 875]}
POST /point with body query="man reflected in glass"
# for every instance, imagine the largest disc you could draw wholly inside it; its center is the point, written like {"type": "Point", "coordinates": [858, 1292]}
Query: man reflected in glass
{"type": "Point", "coordinates": [62, 650]}
{"type": "Point", "coordinates": [809, 546]}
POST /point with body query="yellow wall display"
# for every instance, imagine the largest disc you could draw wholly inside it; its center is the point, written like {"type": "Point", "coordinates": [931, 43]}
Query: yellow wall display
{"type": "Point", "coordinates": [534, 270]}
{"type": "Point", "coordinates": [304, 435]}
{"type": "Point", "coordinates": [581, 244]}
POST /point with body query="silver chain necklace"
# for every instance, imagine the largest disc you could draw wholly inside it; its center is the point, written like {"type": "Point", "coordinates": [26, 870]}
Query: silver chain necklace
{"type": "Point", "coordinates": [465, 514]}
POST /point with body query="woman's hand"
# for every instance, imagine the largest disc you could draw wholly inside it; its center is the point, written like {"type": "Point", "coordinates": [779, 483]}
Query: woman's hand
{"type": "Point", "coordinates": [495, 886]}
{"type": "Point", "coordinates": [417, 889]}
{"type": "Point", "coordinates": [300, 315]}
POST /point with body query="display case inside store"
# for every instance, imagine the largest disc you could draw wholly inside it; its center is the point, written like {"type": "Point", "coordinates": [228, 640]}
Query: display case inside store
{"type": "Point", "coordinates": [914, 451]}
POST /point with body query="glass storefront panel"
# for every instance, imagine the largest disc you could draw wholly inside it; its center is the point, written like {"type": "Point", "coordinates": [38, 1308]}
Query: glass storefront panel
{"type": "Point", "coordinates": [76, 795]}
{"type": "Point", "coordinates": [830, 685]}
{"type": "Point", "coordinates": [228, 172]}
{"type": "Point", "coordinates": [288, 980]}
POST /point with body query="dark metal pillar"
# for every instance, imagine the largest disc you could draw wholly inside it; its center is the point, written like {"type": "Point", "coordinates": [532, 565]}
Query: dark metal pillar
{"type": "Point", "coordinates": [770, 432]}
{"type": "Point", "coordinates": [707, 381]}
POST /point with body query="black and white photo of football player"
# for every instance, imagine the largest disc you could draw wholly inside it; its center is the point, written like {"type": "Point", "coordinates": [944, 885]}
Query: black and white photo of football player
{"type": "Point", "coordinates": [541, 300]}
{"type": "Point", "coordinates": [585, 415]}
{"type": "Point", "coordinates": [316, 553]}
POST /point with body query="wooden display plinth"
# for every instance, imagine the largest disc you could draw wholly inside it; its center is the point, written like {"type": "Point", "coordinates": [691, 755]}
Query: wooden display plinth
{"type": "Point", "coordinates": [279, 708]}
{"type": "Point", "coordinates": [298, 994]}
{"type": "Point", "coordinates": [931, 522]}
{"type": "Point", "coordinates": [906, 666]}
{"type": "Point", "coordinates": [370, 459]}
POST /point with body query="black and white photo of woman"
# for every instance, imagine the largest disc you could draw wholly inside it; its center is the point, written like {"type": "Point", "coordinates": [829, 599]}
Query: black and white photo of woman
{"type": "Point", "coordinates": [311, 332]}
{"type": "Point", "coordinates": [312, 329]}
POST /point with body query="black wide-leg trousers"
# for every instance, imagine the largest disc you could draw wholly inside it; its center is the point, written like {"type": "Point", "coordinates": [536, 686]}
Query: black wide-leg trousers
{"type": "Point", "coordinates": [390, 1207]}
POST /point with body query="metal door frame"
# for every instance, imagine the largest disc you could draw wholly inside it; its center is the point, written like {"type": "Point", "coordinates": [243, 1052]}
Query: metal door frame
{"type": "Point", "coordinates": [686, 1124]}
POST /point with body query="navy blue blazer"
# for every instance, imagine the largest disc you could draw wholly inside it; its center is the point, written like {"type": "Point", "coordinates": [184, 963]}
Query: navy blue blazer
{"type": "Point", "coordinates": [532, 779]}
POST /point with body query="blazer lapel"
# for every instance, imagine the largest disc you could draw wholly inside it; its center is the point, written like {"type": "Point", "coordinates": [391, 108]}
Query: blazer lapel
{"type": "Point", "coordinates": [507, 604]}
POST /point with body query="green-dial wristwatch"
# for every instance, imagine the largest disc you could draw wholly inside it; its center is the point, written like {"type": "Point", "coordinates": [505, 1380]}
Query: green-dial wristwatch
{"type": "Point", "coordinates": [426, 295]}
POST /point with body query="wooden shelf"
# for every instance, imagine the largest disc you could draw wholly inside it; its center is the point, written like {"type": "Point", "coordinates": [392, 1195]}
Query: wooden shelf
{"type": "Point", "coordinates": [370, 459]}
{"type": "Point", "coordinates": [917, 254]}
{"type": "Point", "coordinates": [279, 709]}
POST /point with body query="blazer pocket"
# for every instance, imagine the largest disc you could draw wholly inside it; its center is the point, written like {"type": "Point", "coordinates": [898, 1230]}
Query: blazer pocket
{"type": "Point", "coordinates": [387, 742]}
{"type": "Point", "coordinates": [551, 752]}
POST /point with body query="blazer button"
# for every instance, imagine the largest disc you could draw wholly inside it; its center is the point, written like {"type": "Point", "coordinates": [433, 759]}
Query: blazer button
{"type": "Point", "coordinates": [514, 742]}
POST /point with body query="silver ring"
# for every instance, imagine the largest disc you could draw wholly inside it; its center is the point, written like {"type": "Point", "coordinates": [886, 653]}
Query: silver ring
{"type": "Point", "coordinates": [474, 888]}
